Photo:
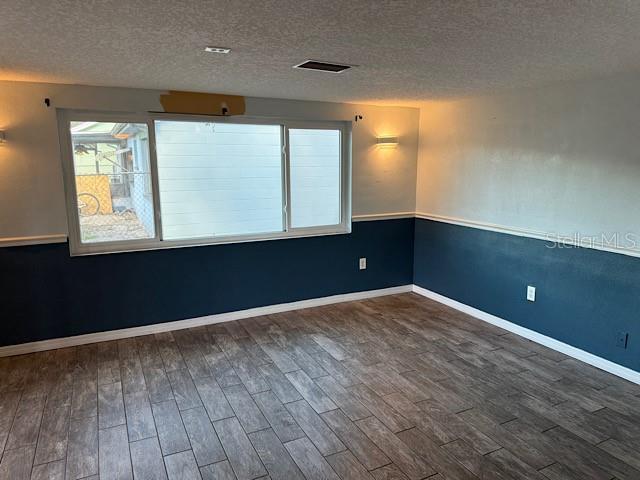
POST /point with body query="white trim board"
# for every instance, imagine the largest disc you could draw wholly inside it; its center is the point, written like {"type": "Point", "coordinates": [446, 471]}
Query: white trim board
{"type": "Point", "coordinates": [381, 216]}
{"type": "Point", "coordinates": [538, 235]}
{"type": "Point", "coordinates": [62, 237]}
{"type": "Point", "coordinates": [586, 357]}
{"type": "Point", "coordinates": [519, 232]}
{"type": "Point", "coordinates": [194, 322]}
{"type": "Point", "coordinates": [33, 240]}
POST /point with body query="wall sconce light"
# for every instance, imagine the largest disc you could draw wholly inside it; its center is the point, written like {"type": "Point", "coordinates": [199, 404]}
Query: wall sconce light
{"type": "Point", "coordinates": [387, 141]}
{"type": "Point", "coordinates": [3, 138]}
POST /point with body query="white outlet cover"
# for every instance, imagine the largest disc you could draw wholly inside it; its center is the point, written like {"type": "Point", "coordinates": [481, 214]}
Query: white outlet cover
{"type": "Point", "coordinates": [363, 263]}
{"type": "Point", "coordinates": [531, 293]}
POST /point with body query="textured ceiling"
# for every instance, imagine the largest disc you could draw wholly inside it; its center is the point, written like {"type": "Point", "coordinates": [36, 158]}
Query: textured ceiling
{"type": "Point", "coordinates": [407, 51]}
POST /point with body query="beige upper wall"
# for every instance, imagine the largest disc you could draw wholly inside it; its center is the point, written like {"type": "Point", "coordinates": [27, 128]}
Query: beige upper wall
{"type": "Point", "coordinates": [31, 187]}
{"type": "Point", "coordinates": [562, 159]}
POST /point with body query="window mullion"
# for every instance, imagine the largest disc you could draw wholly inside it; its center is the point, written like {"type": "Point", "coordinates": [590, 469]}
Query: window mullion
{"type": "Point", "coordinates": [287, 179]}
{"type": "Point", "coordinates": [155, 183]}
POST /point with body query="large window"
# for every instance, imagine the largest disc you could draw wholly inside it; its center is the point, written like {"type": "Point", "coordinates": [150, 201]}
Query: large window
{"type": "Point", "coordinates": [141, 182]}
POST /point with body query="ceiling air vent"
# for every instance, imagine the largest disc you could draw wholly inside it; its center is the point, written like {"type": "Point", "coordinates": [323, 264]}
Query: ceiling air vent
{"type": "Point", "coordinates": [323, 66]}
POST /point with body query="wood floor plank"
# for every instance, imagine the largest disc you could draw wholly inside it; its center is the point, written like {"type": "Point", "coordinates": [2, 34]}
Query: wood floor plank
{"type": "Point", "coordinates": [382, 410]}
{"type": "Point", "coordinates": [246, 410]}
{"type": "Point", "coordinates": [48, 471]}
{"type": "Point", "coordinates": [204, 442]}
{"type": "Point", "coordinates": [131, 373]}
{"type": "Point", "coordinates": [311, 392]}
{"type": "Point", "coordinates": [140, 423]}
{"type": "Point", "coordinates": [16, 463]}
{"type": "Point", "coordinates": [332, 347]}
{"type": "Point", "coordinates": [283, 424]}
{"type": "Point", "coordinates": [539, 440]}
{"type": "Point", "coordinates": [221, 369]}
{"type": "Point", "coordinates": [110, 405]}
{"type": "Point", "coordinates": [408, 461]}
{"type": "Point", "coordinates": [169, 352]}
{"type": "Point", "coordinates": [434, 455]}
{"type": "Point", "coordinates": [280, 384]}
{"type": "Point", "coordinates": [625, 451]}
{"type": "Point", "coordinates": [85, 398]}
{"type": "Point", "coordinates": [146, 460]}
{"type": "Point", "coordinates": [242, 456]}
{"type": "Point", "coordinates": [26, 423]}
{"type": "Point", "coordinates": [514, 467]}
{"type": "Point", "coordinates": [157, 384]}
{"type": "Point", "coordinates": [389, 472]}
{"type": "Point", "coordinates": [108, 364]}
{"type": "Point", "coordinates": [52, 440]}
{"type": "Point", "coordinates": [302, 358]}
{"type": "Point", "coordinates": [347, 466]}
{"type": "Point", "coordinates": [114, 456]}
{"type": "Point", "coordinates": [523, 450]}
{"type": "Point", "coordinates": [213, 399]}
{"type": "Point", "coordinates": [171, 433]}
{"type": "Point", "coordinates": [472, 460]}
{"type": "Point", "coordinates": [248, 374]}
{"type": "Point", "coordinates": [592, 455]}
{"type": "Point", "coordinates": [352, 407]}
{"type": "Point", "coordinates": [82, 454]}
{"type": "Point", "coordinates": [181, 466]}
{"type": "Point", "coordinates": [218, 471]}
{"type": "Point", "coordinates": [280, 358]}
{"type": "Point", "coordinates": [342, 375]}
{"type": "Point", "coordinates": [193, 357]}
{"type": "Point", "coordinates": [315, 428]}
{"type": "Point", "coordinates": [310, 460]}
{"type": "Point", "coordinates": [274, 456]}
{"type": "Point", "coordinates": [438, 414]}
{"type": "Point", "coordinates": [558, 471]}
{"type": "Point", "coordinates": [429, 424]}
{"type": "Point", "coordinates": [8, 406]}
{"type": "Point", "coordinates": [184, 390]}
{"type": "Point", "coordinates": [356, 441]}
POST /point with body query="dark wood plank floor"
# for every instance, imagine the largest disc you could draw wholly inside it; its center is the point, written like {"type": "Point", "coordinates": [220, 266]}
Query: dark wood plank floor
{"type": "Point", "coordinates": [395, 387]}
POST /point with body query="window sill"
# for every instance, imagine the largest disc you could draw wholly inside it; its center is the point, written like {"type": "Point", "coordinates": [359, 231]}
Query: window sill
{"type": "Point", "coordinates": [144, 245]}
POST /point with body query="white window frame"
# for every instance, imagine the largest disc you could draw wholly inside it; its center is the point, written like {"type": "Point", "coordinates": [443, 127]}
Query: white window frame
{"type": "Point", "coordinates": [65, 117]}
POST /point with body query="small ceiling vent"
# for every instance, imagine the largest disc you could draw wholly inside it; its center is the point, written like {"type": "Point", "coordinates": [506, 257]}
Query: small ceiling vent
{"type": "Point", "coordinates": [323, 66]}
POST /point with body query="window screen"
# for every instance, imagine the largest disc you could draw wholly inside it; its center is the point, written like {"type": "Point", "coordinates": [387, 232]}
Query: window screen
{"type": "Point", "coordinates": [112, 181]}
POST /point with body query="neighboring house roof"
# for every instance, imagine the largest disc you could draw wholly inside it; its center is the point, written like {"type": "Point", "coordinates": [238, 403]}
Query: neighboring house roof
{"type": "Point", "coordinates": [95, 132]}
{"type": "Point", "coordinates": [109, 132]}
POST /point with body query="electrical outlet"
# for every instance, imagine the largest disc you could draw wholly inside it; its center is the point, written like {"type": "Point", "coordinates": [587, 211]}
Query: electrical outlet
{"type": "Point", "coordinates": [363, 263]}
{"type": "Point", "coordinates": [621, 339]}
{"type": "Point", "coordinates": [531, 293]}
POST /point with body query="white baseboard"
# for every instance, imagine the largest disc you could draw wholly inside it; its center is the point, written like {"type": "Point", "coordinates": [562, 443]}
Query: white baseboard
{"type": "Point", "coordinates": [574, 352]}
{"type": "Point", "coordinates": [194, 322]}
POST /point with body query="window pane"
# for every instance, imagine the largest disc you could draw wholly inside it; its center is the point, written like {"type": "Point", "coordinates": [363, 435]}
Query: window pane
{"type": "Point", "coordinates": [315, 177]}
{"type": "Point", "coordinates": [113, 181]}
{"type": "Point", "coordinates": [219, 179]}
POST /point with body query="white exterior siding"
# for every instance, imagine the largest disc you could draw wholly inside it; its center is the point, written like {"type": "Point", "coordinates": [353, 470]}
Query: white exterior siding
{"type": "Point", "coordinates": [219, 179]}
{"type": "Point", "coordinates": [315, 177]}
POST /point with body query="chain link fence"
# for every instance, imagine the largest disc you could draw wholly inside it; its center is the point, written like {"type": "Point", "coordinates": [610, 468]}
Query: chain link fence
{"type": "Point", "coordinates": [115, 207]}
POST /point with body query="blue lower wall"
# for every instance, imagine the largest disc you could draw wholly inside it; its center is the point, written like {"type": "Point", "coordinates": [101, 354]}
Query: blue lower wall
{"type": "Point", "coordinates": [47, 294]}
{"type": "Point", "coordinates": [584, 296]}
